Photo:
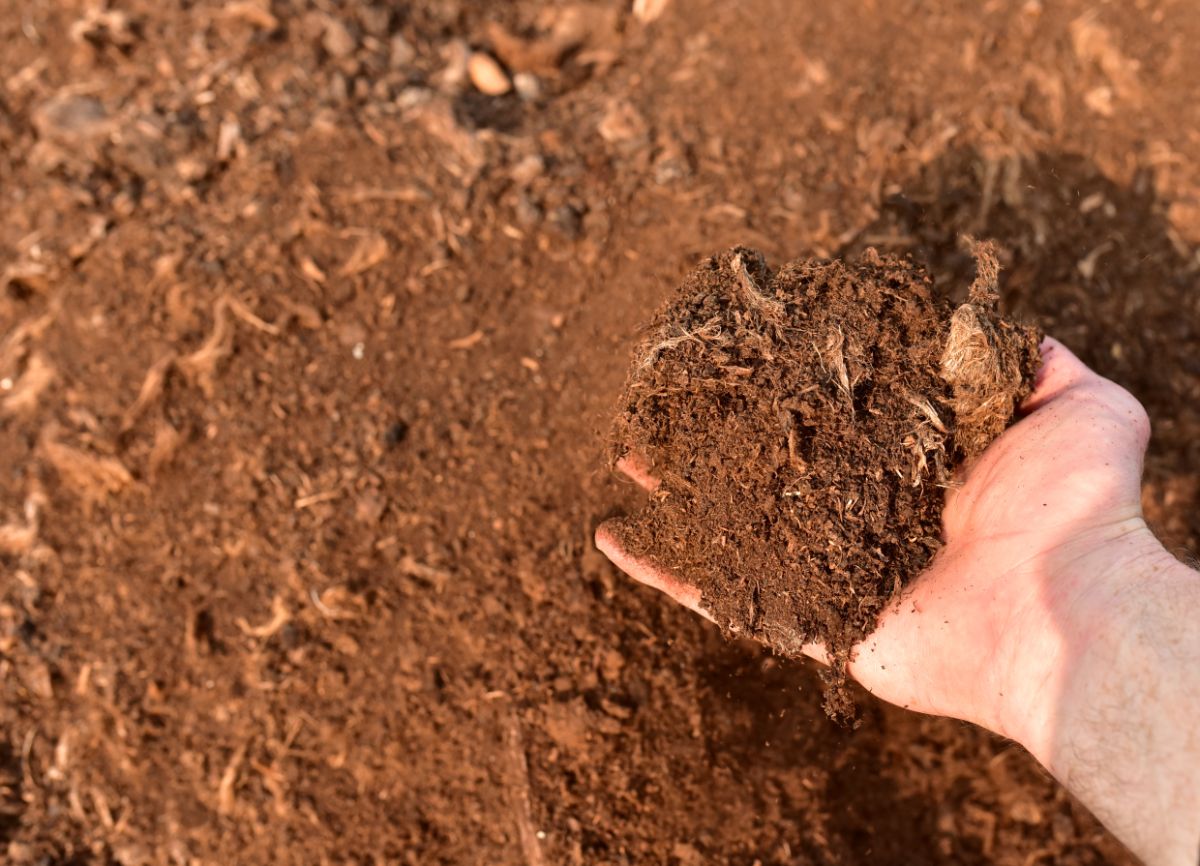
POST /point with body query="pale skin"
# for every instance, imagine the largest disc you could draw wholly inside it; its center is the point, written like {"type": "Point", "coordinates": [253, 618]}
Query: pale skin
{"type": "Point", "coordinates": [1052, 616]}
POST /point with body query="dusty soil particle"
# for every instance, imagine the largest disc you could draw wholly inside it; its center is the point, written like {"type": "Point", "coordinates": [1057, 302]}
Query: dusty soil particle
{"type": "Point", "coordinates": [804, 423]}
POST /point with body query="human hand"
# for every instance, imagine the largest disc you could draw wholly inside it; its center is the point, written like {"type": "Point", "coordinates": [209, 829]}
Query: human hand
{"type": "Point", "coordinates": [1049, 509]}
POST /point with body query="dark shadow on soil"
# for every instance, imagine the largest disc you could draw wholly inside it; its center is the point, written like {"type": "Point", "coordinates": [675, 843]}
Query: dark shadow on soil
{"type": "Point", "coordinates": [766, 713]}
{"type": "Point", "coordinates": [11, 805]}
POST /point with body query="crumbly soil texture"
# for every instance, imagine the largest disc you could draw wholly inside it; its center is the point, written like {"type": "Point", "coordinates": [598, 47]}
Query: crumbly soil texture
{"type": "Point", "coordinates": [804, 423]}
{"type": "Point", "coordinates": [309, 354]}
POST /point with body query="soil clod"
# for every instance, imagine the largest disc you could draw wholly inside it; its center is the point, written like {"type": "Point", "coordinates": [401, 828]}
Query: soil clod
{"type": "Point", "coordinates": [804, 423]}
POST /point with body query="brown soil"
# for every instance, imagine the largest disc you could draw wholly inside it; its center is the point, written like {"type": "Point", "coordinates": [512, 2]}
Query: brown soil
{"type": "Point", "coordinates": [307, 353]}
{"type": "Point", "coordinates": [804, 424]}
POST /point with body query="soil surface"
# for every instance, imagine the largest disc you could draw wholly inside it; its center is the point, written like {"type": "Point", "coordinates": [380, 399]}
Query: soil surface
{"type": "Point", "coordinates": [804, 424]}
{"type": "Point", "coordinates": [308, 351]}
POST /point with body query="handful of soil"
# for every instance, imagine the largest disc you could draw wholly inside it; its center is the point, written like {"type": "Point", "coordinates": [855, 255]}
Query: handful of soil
{"type": "Point", "coordinates": [804, 424]}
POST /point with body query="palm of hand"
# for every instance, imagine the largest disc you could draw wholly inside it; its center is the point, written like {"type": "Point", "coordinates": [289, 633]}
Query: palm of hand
{"type": "Point", "coordinates": [974, 634]}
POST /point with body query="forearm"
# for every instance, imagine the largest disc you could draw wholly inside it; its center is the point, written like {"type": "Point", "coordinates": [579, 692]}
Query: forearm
{"type": "Point", "coordinates": [1121, 723]}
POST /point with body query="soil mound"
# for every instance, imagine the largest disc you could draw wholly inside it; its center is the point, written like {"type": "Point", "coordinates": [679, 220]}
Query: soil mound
{"type": "Point", "coordinates": [804, 423]}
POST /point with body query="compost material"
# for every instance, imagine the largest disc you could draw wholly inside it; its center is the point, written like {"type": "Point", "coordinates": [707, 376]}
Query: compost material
{"type": "Point", "coordinates": [805, 423]}
{"type": "Point", "coordinates": [309, 353]}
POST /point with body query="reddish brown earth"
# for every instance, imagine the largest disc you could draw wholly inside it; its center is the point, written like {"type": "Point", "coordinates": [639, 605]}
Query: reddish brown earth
{"type": "Point", "coordinates": [307, 351]}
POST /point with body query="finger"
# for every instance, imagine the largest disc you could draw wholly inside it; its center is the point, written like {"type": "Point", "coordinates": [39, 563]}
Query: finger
{"type": "Point", "coordinates": [1061, 370]}
{"type": "Point", "coordinates": [817, 652]}
{"type": "Point", "coordinates": [638, 469]}
{"type": "Point", "coordinates": [644, 571]}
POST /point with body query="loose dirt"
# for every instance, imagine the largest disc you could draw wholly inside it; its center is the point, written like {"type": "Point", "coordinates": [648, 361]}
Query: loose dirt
{"type": "Point", "coordinates": [804, 424]}
{"type": "Point", "coordinates": [308, 354]}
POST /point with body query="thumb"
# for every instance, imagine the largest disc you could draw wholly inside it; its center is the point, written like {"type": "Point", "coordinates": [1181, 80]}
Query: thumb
{"type": "Point", "coordinates": [1061, 371]}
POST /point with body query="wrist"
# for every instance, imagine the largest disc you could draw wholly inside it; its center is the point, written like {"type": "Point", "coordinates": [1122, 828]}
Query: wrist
{"type": "Point", "coordinates": [1088, 599]}
{"type": "Point", "coordinates": [1115, 717]}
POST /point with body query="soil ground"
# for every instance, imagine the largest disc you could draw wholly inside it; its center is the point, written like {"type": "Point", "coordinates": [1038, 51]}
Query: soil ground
{"type": "Point", "coordinates": [308, 351]}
